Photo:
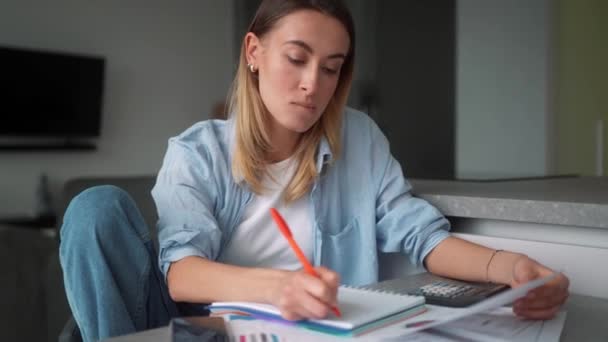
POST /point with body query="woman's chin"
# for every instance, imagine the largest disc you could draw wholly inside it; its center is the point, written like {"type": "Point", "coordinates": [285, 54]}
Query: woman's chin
{"type": "Point", "coordinates": [299, 123]}
{"type": "Point", "coordinates": [301, 127]}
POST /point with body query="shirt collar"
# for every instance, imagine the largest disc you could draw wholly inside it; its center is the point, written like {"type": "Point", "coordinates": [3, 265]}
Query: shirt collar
{"type": "Point", "coordinates": [324, 153]}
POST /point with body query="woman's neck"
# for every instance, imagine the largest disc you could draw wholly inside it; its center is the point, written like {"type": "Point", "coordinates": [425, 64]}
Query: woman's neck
{"type": "Point", "coordinates": [284, 143]}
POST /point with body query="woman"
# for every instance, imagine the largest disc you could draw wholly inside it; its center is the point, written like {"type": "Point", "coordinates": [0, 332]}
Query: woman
{"type": "Point", "coordinates": [290, 144]}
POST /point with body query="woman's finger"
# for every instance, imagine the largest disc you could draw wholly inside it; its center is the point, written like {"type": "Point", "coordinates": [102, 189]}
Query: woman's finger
{"type": "Point", "coordinates": [549, 294]}
{"type": "Point", "coordinates": [330, 277]}
{"type": "Point", "coordinates": [296, 303]}
{"type": "Point", "coordinates": [291, 315]}
{"type": "Point", "coordinates": [554, 287]}
{"type": "Point", "coordinates": [537, 314]}
{"type": "Point", "coordinates": [542, 302]}
{"type": "Point", "coordinates": [312, 297]}
{"type": "Point", "coordinates": [311, 306]}
{"type": "Point", "coordinates": [319, 288]}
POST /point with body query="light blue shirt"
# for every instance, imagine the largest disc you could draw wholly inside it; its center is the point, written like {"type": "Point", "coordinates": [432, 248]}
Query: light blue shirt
{"type": "Point", "coordinates": [360, 202]}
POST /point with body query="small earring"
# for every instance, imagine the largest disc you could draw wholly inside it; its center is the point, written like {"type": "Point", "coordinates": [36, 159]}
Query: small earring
{"type": "Point", "coordinates": [251, 68]}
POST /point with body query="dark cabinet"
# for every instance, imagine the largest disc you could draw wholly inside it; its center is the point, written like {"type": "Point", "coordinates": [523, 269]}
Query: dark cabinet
{"type": "Point", "coordinates": [415, 80]}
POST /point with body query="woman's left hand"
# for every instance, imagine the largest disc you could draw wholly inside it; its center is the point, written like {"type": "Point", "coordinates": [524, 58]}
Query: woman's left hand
{"type": "Point", "coordinates": [542, 302]}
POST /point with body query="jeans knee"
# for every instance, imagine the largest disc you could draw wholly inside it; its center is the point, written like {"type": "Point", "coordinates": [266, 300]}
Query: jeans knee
{"type": "Point", "coordinates": [102, 213]}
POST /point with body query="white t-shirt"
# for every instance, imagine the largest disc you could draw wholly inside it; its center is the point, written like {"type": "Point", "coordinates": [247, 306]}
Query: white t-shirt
{"type": "Point", "coordinates": [257, 241]}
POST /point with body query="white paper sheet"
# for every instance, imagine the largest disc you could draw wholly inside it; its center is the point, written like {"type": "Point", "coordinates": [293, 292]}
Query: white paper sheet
{"type": "Point", "coordinates": [503, 325]}
{"type": "Point", "coordinates": [485, 321]}
{"type": "Point", "coordinates": [497, 326]}
{"type": "Point", "coordinates": [439, 316]}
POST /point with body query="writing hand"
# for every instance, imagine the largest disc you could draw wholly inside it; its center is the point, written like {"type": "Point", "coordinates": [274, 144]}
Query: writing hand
{"type": "Point", "coordinates": [300, 295]}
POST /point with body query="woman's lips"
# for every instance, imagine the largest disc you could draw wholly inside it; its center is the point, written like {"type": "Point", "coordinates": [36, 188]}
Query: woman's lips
{"type": "Point", "coordinates": [307, 106]}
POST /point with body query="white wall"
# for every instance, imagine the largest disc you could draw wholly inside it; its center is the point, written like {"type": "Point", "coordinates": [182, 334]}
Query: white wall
{"type": "Point", "coordinates": [503, 88]}
{"type": "Point", "coordinates": [167, 63]}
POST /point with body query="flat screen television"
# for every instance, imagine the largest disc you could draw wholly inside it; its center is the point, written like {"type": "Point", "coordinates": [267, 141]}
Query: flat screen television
{"type": "Point", "coordinates": [50, 94]}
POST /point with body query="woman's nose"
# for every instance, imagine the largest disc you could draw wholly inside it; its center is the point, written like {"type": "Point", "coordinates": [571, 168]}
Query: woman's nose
{"type": "Point", "coordinates": [309, 81]}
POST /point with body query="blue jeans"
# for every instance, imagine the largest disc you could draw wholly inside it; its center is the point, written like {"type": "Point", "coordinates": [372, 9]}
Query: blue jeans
{"type": "Point", "coordinates": [112, 281]}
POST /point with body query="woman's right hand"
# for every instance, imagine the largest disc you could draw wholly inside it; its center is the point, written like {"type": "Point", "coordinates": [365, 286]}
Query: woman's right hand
{"type": "Point", "coordinates": [299, 295]}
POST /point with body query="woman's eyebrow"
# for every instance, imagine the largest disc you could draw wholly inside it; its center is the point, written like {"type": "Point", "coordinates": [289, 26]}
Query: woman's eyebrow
{"type": "Point", "coordinates": [307, 47]}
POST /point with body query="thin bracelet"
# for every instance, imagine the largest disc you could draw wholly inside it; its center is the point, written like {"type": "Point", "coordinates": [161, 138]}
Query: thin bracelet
{"type": "Point", "coordinates": [488, 265]}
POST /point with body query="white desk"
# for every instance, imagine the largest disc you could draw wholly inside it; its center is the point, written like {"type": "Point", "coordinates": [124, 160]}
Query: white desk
{"type": "Point", "coordinates": [587, 320]}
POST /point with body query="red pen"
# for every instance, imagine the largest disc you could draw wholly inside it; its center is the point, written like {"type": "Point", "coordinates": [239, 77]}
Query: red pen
{"type": "Point", "coordinates": [278, 219]}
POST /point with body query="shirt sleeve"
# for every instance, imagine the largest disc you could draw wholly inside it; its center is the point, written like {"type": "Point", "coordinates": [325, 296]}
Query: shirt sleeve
{"type": "Point", "coordinates": [185, 195]}
{"type": "Point", "coordinates": [405, 223]}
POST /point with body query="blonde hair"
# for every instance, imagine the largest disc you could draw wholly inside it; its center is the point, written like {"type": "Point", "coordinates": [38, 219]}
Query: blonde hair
{"type": "Point", "coordinates": [251, 116]}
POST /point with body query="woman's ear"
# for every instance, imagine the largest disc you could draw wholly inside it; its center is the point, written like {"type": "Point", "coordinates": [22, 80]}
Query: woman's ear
{"type": "Point", "coordinates": [252, 48]}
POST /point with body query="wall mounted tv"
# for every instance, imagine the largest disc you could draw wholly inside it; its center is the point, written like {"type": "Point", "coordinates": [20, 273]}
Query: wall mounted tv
{"type": "Point", "coordinates": [50, 94]}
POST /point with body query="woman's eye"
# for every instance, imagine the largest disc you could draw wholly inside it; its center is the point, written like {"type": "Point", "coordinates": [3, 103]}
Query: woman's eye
{"type": "Point", "coordinates": [295, 61]}
{"type": "Point", "coordinates": [330, 71]}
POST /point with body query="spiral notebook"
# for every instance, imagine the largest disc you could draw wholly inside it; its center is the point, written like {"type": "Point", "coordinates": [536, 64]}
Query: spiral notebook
{"type": "Point", "coordinates": [362, 311]}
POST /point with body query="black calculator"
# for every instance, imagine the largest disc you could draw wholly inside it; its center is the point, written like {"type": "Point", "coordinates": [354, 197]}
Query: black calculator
{"type": "Point", "coordinates": [455, 293]}
{"type": "Point", "coordinates": [439, 290]}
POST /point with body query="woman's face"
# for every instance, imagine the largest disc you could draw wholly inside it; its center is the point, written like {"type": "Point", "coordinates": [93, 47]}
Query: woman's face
{"type": "Point", "coordinates": [298, 64]}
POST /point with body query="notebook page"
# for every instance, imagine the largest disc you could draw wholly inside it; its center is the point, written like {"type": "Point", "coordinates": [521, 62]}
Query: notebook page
{"type": "Point", "coordinates": [358, 307]}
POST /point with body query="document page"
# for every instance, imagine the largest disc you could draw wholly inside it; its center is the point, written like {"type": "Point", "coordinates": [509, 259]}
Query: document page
{"type": "Point", "coordinates": [497, 326]}
{"type": "Point", "coordinates": [437, 316]}
{"type": "Point", "coordinates": [502, 325]}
